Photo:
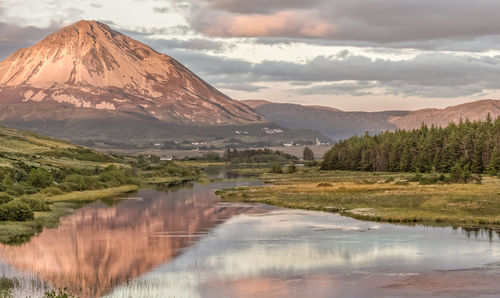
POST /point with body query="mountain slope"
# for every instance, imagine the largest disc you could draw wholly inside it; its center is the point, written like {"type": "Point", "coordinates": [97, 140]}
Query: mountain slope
{"type": "Point", "coordinates": [333, 123]}
{"type": "Point", "coordinates": [338, 124]}
{"type": "Point", "coordinates": [473, 111]}
{"type": "Point", "coordinates": [90, 66]}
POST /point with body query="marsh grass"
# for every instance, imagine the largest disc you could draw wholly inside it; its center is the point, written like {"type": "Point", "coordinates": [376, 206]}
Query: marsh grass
{"type": "Point", "coordinates": [15, 233]}
{"type": "Point", "coordinates": [386, 197]}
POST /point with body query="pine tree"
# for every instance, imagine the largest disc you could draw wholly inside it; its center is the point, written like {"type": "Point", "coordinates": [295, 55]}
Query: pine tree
{"type": "Point", "coordinates": [308, 154]}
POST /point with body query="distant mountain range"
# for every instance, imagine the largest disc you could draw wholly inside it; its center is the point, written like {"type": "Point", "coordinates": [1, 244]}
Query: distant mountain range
{"type": "Point", "coordinates": [338, 124]}
{"type": "Point", "coordinates": [89, 83]}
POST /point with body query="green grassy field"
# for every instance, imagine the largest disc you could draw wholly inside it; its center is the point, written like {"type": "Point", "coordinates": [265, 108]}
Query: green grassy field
{"type": "Point", "coordinates": [387, 197]}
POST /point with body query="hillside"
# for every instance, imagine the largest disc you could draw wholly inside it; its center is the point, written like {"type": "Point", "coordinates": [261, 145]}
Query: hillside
{"type": "Point", "coordinates": [25, 149]}
{"type": "Point", "coordinates": [474, 111]}
{"type": "Point", "coordinates": [338, 124]}
{"type": "Point", "coordinates": [331, 122]}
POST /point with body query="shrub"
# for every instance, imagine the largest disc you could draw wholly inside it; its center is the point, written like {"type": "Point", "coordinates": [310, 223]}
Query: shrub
{"type": "Point", "coordinates": [276, 169]}
{"type": "Point", "coordinates": [16, 211]}
{"type": "Point", "coordinates": [6, 287]}
{"type": "Point", "coordinates": [35, 204]}
{"type": "Point", "coordinates": [40, 178]}
{"type": "Point", "coordinates": [61, 293]}
{"type": "Point", "coordinates": [16, 189]}
{"type": "Point", "coordinates": [116, 178]}
{"type": "Point", "coordinates": [80, 182]}
{"type": "Point", "coordinates": [52, 191]}
{"type": "Point", "coordinates": [64, 187]}
{"type": "Point", "coordinates": [292, 168]}
{"type": "Point", "coordinates": [4, 198]}
{"type": "Point", "coordinates": [311, 163]}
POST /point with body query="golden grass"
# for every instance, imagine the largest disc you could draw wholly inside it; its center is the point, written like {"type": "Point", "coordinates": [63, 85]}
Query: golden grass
{"type": "Point", "coordinates": [378, 196]}
{"type": "Point", "coordinates": [93, 195]}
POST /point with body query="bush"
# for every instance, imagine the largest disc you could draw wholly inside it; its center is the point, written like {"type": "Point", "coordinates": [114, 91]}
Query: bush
{"type": "Point", "coordinates": [276, 169]}
{"type": "Point", "coordinates": [40, 178]}
{"type": "Point", "coordinates": [79, 182]}
{"type": "Point", "coordinates": [311, 163]}
{"type": "Point", "coordinates": [16, 211]}
{"type": "Point", "coordinates": [292, 168]}
{"type": "Point", "coordinates": [35, 204]}
{"type": "Point", "coordinates": [6, 287]}
{"type": "Point", "coordinates": [116, 177]}
{"type": "Point", "coordinates": [61, 293]}
{"type": "Point", "coordinates": [52, 191]}
{"type": "Point", "coordinates": [16, 189]}
{"type": "Point", "coordinates": [4, 198]}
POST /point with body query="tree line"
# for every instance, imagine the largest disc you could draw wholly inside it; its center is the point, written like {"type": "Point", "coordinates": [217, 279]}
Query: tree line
{"type": "Point", "coordinates": [468, 146]}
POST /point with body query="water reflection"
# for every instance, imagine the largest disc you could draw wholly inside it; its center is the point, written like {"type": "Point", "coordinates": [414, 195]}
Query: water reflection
{"type": "Point", "coordinates": [185, 244]}
{"type": "Point", "coordinates": [290, 253]}
{"type": "Point", "coordinates": [99, 247]}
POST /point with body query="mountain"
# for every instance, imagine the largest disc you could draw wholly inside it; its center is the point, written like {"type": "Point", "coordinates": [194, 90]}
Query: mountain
{"type": "Point", "coordinates": [88, 65]}
{"type": "Point", "coordinates": [338, 124]}
{"type": "Point", "coordinates": [90, 84]}
{"type": "Point", "coordinates": [477, 110]}
{"type": "Point", "coordinates": [331, 122]}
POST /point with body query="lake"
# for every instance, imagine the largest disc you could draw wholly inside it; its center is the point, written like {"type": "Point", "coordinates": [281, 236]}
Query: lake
{"type": "Point", "coordinates": [184, 243]}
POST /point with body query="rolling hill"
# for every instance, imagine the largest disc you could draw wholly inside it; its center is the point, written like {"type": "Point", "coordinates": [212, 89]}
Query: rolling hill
{"type": "Point", "coordinates": [338, 124]}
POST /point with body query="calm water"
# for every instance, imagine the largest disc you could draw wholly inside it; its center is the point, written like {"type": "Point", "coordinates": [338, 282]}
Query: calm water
{"type": "Point", "coordinates": [183, 243]}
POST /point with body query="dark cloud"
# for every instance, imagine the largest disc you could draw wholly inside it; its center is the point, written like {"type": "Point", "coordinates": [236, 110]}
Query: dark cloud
{"type": "Point", "coordinates": [426, 24]}
{"type": "Point", "coordinates": [195, 44]}
{"type": "Point", "coordinates": [14, 37]}
{"type": "Point", "coordinates": [239, 86]}
{"type": "Point", "coordinates": [427, 75]}
{"type": "Point", "coordinates": [354, 89]}
{"type": "Point", "coordinates": [261, 6]}
{"type": "Point", "coordinates": [161, 9]}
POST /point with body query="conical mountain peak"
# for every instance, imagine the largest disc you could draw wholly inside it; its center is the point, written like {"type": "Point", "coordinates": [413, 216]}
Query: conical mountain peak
{"type": "Point", "coordinates": [90, 65]}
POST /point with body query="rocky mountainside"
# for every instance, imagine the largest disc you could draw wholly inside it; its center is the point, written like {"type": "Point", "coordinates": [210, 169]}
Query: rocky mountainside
{"type": "Point", "coordinates": [331, 122]}
{"type": "Point", "coordinates": [338, 124]}
{"type": "Point", "coordinates": [88, 65]}
{"type": "Point", "coordinates": [477, 110]}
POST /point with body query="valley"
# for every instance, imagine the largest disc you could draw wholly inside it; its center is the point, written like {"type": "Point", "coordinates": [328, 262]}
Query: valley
{"type": "Point", "coordinates": [126, 173]}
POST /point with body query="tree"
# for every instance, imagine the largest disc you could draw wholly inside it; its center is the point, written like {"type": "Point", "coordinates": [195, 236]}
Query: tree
{"type": "Point", "coordinates": [276, 169]}
{"type": "Point", "coordinates": [494, 164]}
{"type": "Point", "coordinates": [292, 168]}
{"type": "Point", "coordinates": [40, 178]}
{"type": "Point", "coordinates": [308, 154]}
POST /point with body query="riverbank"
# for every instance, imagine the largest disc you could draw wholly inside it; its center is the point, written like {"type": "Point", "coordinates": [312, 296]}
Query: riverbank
{"type": "Point", "coordinates": [385, 197]}
{"type": "Point", "coordinates": [18, 232]}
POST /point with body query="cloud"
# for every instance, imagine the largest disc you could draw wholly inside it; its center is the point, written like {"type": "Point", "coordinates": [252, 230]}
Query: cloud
{"type": "Point", "coordinates": [282, 23]}
{"type": "Point", "coordinates": [13, 37]}
{"type": "Point", "coordinates": [432, 75]}
{"type": "Point", "coordinates": [402, 23]}
{"type": "Point", "coordinates": [194, 44]}
{"type": "Point", "coordinates": [161, 9]}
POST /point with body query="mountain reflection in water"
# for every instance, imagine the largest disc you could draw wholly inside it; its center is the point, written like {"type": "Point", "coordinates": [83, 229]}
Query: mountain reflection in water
{"type": "Point", "coordinates": [99, 247]}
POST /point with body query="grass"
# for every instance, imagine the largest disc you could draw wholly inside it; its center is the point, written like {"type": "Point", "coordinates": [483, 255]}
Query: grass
{"type": "Point", "coordinates": [386, 197]}
{"type": "Point", "coordinates": [94, 195]}
{"type": "Point", "coordinates": [16, 233]}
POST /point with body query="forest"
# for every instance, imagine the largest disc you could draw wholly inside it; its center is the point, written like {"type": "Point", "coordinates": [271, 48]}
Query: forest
{"type": "Point", "coordinates": [464, 147]}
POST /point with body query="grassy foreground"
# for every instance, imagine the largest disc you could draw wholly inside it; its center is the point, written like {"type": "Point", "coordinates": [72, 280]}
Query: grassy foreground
{"type": "Point", "coordinates": [386, 197]}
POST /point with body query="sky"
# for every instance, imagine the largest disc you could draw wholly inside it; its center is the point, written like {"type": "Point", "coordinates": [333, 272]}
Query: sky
{"type": "Point", "coordinates": [367, 55]}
